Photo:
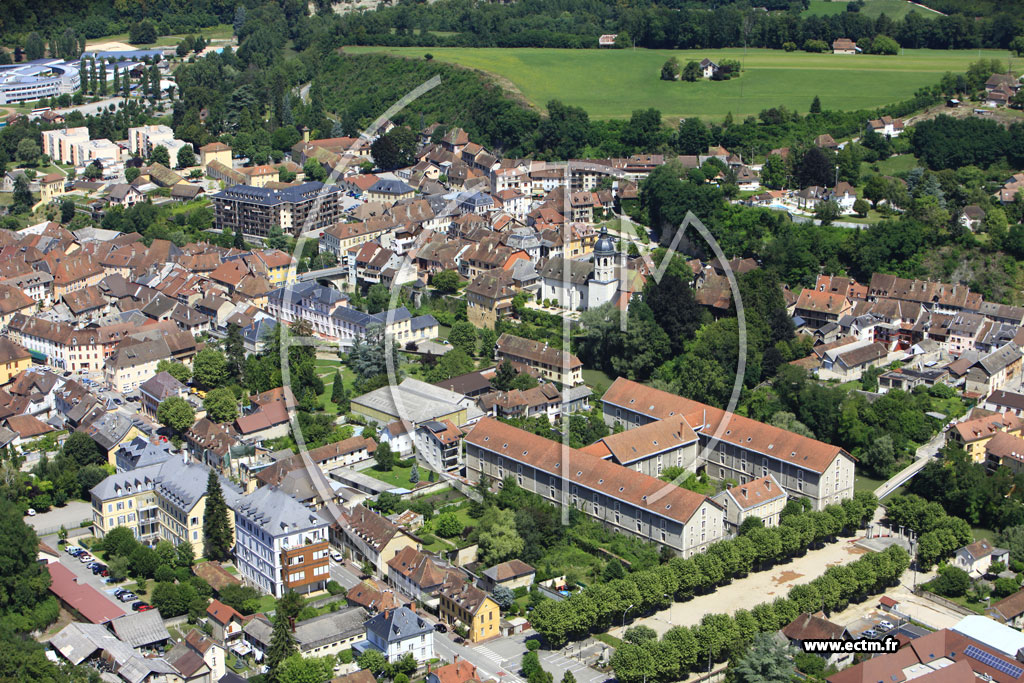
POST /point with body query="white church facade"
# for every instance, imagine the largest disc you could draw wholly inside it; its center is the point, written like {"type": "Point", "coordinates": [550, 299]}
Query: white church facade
{"type": "Point", "coordinates": [582, 284]}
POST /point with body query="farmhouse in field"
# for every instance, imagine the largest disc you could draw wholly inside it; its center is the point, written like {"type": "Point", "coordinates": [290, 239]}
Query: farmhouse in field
{"type": "Point", "coordinates": [607, 40]}
{"type": "Point", "coordinates": [708, 69]}
{"type": "Point", "coordinates": [887, 126]}
{"type": "Point", "coordinates": [844, 46]}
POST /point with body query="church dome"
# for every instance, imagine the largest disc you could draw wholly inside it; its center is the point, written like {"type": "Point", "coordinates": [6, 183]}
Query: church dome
{"type": "Point", "coordinates": [605, 245]}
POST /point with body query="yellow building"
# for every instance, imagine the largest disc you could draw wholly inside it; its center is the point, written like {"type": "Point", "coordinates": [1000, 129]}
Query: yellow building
{"type": "Point", "coordinates": [461, 601]}
{"type": "Point", "coordinates": [127, 499]}
{"type": "Point", "coordinates": [214, 151]}
{"type": "Point", "coordinates": [13, 359]}
{"type": "Point", "coordinates": [278, 264]}
{"type": "Point", "coordinates": [51, 186]}
{"type": "Point", "coordinates": [974, 434]}
{"type": "Point", "coordinates": [181, 498]}
{"type": "Point", "coordinates": [259, 176]}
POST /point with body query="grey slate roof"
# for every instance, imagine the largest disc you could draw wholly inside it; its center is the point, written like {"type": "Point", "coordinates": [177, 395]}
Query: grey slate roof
{"type": "Point", "coordinates": [162, 385]}
{"type": "Point", "coordinates": [397, 625]}
{"type": "Point", "coordinates": [123, 483]}
{"type": "Point", "coordinates": [78, 641]}
{"type": "Point", "coordinates": [184, 484]}
{"type": "Point", "coordinates": [140, 452]}
{"type": "Point", "coordinates": [141, 628]}
{"type": "Point", "coordinates": [276, 512]}
{"type": "Point", "coordinates": [316, 632]}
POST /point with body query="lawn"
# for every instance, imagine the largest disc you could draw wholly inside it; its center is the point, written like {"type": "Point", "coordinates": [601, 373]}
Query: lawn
{"type": "Point", "coordinates": [594, 378]}
{"type": "Point", "coordinates": [614, 83]}
{"type": "Point", "coordinates": [901, 163]}
{"type": "Point", "coordinates": [398, 476]}
{"type": "Point", "coordinates": [894, 9]}
{"type": "Point", "coordinates": [862, 482]}
{"type": "Point", "coordinates": [219, 32]}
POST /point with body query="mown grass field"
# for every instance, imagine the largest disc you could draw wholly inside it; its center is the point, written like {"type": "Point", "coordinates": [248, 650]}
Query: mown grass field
{"type": "Point", "coordinates": [614, 83]}
{"type": "Point", "coordinates": [894, 9]}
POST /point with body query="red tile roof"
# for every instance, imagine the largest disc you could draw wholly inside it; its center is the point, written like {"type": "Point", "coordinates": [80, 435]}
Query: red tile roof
{"type": "Point", "coordinates": [81, 597]}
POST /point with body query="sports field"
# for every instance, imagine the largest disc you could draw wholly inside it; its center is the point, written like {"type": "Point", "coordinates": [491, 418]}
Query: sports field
{"type": "Point", "coordinates": [614, 83]}
{"type": "Point", "coordinates": [894, 9]}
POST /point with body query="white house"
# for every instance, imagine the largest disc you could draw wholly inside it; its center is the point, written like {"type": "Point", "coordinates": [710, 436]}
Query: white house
{"type": "Point", "coordinates": [976, 558]}
{"type": "Point", "coordinates": [396, 632]}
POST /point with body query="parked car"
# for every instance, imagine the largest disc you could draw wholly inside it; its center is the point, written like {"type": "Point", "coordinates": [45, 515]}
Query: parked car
{"type": "Point", "coordinates": [870, 633]}
{"type": "Point", "coordinates": [92, 565]}
{"type": "Point", "coordinates": [137, 605]}
{"type": "Point", "coordinates": [127, 597]}
{"type": "Point", "coordinates": [146, 608]}
{"type": "Point", "coordinates": [99, 569]}
{"type": "Point", "coordinates": [440, 628]}
{"type": "Point", "coordinates": [30, 512]}
{"type": "Point", "coordinates": [74, 550]}
{"type": "Point", "coordinates": [118, 592]}
{"type": "Point", "coordinates": [459, 640]}
{"type": "Point", "coordinates": [886, 625]}
{"type": "Point", "coordinates": [85, 557]}
{"type": "Point", "coordinates": [336, 556]}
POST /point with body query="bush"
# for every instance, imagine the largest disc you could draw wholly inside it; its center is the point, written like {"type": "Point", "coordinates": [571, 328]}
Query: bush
{"type": "Point", "coordinates": [533, 644]}
{"type": "Point", "coordinates": [335, 588]}
{"type": "Point", "coordinates": [952, 582]}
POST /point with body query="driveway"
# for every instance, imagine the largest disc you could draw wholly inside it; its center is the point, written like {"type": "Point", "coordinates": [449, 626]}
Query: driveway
{"type": "Point", "coordinates": [85, 576]}
{"type": "Point", "coordinates": [71, 516]}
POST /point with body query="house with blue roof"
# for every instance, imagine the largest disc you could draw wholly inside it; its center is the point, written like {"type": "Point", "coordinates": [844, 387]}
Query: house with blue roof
{"type": "Point", "coordinates": [398, 632]}
{"type": "Point", "coordinates": [388, 190]}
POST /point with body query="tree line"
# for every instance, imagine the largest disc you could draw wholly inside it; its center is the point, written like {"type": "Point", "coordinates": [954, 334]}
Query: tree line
{"type": "Point", "coordinates": [683, 650]}
{"type": "Point", "coordinates": [641, 592]}
{"type": "Point", "coordinates": [667, 25]}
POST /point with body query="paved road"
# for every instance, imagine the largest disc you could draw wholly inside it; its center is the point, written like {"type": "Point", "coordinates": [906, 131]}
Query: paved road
{"type": "Point", "coordinates": [71, 515]}
{"type": "Point", "coordinates": [344, 575]}
{"type": "Point", "coordinates": [85, 576]}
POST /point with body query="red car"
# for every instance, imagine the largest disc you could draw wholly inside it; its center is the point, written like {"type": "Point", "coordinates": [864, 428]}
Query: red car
{"type": "Point", "coordinates": [146, 608]}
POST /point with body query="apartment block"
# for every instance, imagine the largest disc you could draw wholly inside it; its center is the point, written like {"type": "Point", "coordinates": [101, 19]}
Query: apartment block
{"type": "Point", "coordinates": [281, 545]}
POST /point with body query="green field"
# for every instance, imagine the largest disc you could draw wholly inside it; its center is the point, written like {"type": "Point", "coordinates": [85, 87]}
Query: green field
{"type": "Point", "coordinates": [614, 83]}
{"type": "Point", "coordinates": [894, 9]}
{"type": "Point", "coordinates": [220, 32]}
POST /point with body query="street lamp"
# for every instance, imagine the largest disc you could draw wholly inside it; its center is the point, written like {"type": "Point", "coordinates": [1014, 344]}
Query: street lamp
{"type": "Point", "coordinates": [624, 615]}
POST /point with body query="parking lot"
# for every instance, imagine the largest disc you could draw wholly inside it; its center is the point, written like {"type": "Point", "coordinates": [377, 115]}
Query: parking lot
{"type": "Point", "coordinates": [85, 575]}
{"type": "Point", "coordinates": [70, 516]}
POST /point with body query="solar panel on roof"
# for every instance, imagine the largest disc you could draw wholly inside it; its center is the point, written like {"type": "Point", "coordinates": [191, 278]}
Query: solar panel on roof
{"type": "Point", "coordinates": [989, 659]}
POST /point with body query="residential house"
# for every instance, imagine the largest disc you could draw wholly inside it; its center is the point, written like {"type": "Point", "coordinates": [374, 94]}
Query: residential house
{"type": "Point", "coordinates": [281, 544]}
{"type": "Point", "coordinates": [511, 575]}
{"type": "Point", "coordinates": [977, 557]}
{"type": "Point", "coordinates": [14, 359]}
{"type": "Point", "coordinates": [974, 433]}
{"type": "Point", "coordinates": [368, 537]}
{"type": "Point", "coordinates": [1009, 610]}
{"type": "Point", "coordinates": [886, 126]}
{"type": "Point", "coordinates": [417, 574]}
{"type": "Point", "coordinates": [398, 632]}
{"type": "Point", "coordinates": [372, 597]}
{"type": "Point", "coordinates": [844, 46]}
{"type": "Point", "coordinates": [708, 68]}
{"type": "Point", "coordinates": [158, 389]}
{"type": "Point", "coordinates": [811, 628]}
{"type": "Point", "coordinates": [464, 603]}
{"type": "Point", "coordinates": [440, 444]}
{"type": "Point", "coordinates": [762, 498]}
{"type": "Point", "coordinates": [550, 363]}
{"type": "Point", "coordinates": [225, 621]}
